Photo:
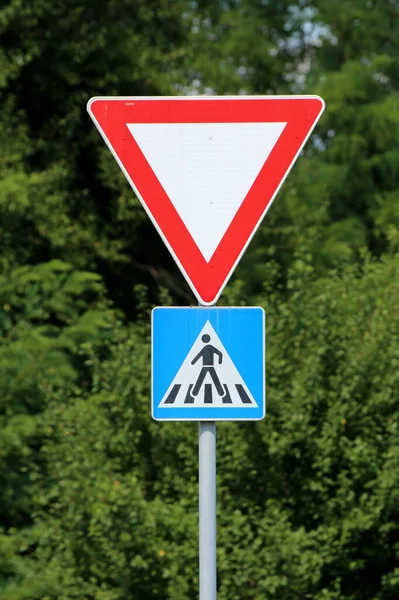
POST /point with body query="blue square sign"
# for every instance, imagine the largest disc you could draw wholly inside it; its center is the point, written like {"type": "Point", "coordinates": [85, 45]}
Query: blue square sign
{"type": "Point", "coordinates": [208, 364]}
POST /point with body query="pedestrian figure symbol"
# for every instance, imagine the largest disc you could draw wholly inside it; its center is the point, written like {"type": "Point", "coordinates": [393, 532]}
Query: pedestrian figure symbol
{"type": "Point", "coordinates": [208, 377]}
{"type": "Point", "coordinates": [207, 354]}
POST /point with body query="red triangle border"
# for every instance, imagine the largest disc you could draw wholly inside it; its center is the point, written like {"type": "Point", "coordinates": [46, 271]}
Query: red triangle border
{"type": "Point", "coordinates": [206, 279]}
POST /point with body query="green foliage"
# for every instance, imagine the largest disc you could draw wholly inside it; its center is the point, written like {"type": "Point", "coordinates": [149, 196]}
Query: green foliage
{"type": "Point", "coordinates": [50, 315]}
{"type": "Point", "coordinates": [97, 500]}
{"type": "Point", "coordinates": [307, 498]}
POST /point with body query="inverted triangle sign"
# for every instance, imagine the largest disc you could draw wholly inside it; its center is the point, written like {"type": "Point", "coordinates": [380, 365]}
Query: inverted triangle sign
{"type": "Point", "coordinates": [206, 169]}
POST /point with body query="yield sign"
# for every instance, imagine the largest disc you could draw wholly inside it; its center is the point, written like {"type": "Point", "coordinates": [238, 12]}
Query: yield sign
{"type": "Point", "coordinates": [206, 169]}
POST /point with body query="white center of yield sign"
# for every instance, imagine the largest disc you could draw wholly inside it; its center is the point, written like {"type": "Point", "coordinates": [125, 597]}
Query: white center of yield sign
{"type": "Point", "coordinates": [208, 377]}
{"type": "Point", "coordinates": [206, 169]}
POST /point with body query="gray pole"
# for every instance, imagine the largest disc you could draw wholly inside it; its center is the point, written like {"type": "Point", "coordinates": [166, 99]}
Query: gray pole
{"type": "Point", "coordinates": [207, 510]}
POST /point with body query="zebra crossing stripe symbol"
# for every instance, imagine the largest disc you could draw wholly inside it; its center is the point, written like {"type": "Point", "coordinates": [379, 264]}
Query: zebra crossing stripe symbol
{"type": "Point", "coordinates": [208, 377]}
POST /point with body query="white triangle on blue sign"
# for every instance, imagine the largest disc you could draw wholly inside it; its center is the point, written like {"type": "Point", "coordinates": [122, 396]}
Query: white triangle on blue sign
{"type": "Point", "coordinates": [208, 378]}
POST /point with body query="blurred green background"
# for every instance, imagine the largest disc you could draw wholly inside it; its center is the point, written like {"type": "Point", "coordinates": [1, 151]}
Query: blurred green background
{"type": "Point", "coordinates": [97, 501]}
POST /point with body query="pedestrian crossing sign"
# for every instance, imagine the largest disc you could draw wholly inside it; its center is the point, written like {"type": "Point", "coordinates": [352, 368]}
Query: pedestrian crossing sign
{"type": "Point", "coordinates": [208, 364]}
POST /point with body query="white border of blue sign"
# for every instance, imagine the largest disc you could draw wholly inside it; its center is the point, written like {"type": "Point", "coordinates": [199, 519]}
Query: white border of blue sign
{"type": "Point", "coordinates": [172, 323]}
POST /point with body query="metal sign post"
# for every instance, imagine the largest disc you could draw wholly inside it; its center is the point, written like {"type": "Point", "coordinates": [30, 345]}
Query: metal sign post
{"type": "Point", "coordinates": [207, 510]}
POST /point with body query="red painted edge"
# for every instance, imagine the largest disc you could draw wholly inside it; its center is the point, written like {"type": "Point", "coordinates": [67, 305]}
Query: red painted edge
{"type": "Point", "coordinates": [300, 113]}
